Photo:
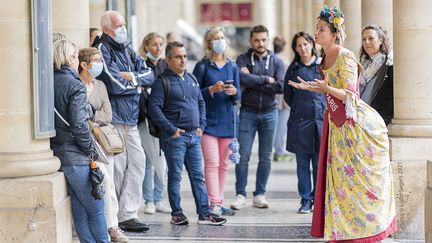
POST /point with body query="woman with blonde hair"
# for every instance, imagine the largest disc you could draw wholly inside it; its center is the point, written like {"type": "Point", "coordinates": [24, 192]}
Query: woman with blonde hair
{"type": "Point", "coordinates": [73, 144]}
{"type": "Point", "coordinates": [218, 78]}
{"type": "Point", "coordinates": [90, 66]}
{"type": "Point", "coordinates": [156, 169]}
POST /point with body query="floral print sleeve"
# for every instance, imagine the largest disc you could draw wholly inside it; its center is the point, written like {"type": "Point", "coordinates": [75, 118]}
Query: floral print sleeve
{"type": "Point", "coordinates": [347, 79]}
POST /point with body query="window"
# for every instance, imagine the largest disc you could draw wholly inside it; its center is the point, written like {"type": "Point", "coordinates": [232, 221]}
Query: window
{"type": "Point", "coordinates": [42, 74]}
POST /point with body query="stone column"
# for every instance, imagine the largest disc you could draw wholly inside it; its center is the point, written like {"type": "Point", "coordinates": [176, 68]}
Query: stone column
{"type": "Point", "coordinates": [71, 18]}
{"type": "Point", "coordinates": [428, 199]}
{"type": "Point", "coordinates": [352, 12]}
{"type": "Point", "coordinates": [264, 11]}
{"type": "Point", "coordinates": [332, 3]}
{"type": "Point", "coordinates": [28, 174]}
{"type": "Point", "coordinates": [308, 22]}
{"type": "Point", "coordinates": [411, 129]}
{"type": "Point", "coordinates": [378, 12]}
{"type": "Point", "coordinates": [97, 8]}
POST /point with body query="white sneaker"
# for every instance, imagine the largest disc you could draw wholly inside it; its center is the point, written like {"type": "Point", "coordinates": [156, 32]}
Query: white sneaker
{"type": "Point", "coordinates": [217, 210]}
{"type": "Point", "coordinates": [162, 208]}
{"type": "Point", "coordinates": [150, 208]}
{"type": "Point", "coordinates": [260, 201]}
{"type": "Point", "coordinates": [239, 202]}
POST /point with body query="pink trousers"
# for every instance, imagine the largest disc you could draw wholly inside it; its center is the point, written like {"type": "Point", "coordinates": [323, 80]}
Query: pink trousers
{"type": "Point", "coordinates": [215, 152]}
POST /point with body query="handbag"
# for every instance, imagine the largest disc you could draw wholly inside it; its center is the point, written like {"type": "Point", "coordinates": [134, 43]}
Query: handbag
{"type": "Point", "coordinates": [108, 137]}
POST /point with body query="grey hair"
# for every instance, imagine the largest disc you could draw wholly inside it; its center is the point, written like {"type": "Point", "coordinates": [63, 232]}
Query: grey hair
{"type": "Point", "coordinates": [170, 46]}
{"type": "Point", "coordinates": [210, 33]}
{"type": "Point", "coordinates": [106, 18]}
{"type": "Point", "coordinates": [63, 50]}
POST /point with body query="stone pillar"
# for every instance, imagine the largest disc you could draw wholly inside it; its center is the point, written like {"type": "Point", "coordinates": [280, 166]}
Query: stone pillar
{"type": "Point", "coordinates": [317, 5]}
{"type": "Point", "coordinates": [28, 174]}
{"type": "Point", "coordinates": [308, 22]}
{"type": "Point", "coordinates": [285, 26]}
{"type": "Point", "coordinates": [428, 208]}
{"type": "Point", "coordinates": [97, 8]}
{"type": "Point", "coordinates": [378, 12]}
{"type": "Point", "coordinates": [264, 11]}
{"type": "Point", "coordinates": [71, 18]}
{"type": "Point", "coordinates": [332, 3]}
{"type": "Point", "coordinates": [352, 12]}
{"type": "Point", "coordinates": [411, 129]}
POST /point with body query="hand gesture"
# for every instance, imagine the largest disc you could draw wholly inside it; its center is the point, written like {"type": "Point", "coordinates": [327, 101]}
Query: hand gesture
{"type": "Point", "coordinates": [303, 85]}
{"type": "Point", "coordinates": [199, 132]}
{"type": "Point", "coordinates": [245, 70]}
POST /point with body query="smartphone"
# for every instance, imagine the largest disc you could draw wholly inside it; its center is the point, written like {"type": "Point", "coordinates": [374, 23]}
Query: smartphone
{"type": "Point", "coordinates": [229, 82]}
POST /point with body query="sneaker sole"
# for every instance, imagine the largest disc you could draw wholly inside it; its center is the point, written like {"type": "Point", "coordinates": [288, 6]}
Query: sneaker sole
{"type": "Point", "coordinates": [237, 207]}
{"type": "Point", "coordinates": [180, 223]}
{"type": "Point", "coordinates": [261, 206]}
{"type": "Point", "coordinates": [205, 222]}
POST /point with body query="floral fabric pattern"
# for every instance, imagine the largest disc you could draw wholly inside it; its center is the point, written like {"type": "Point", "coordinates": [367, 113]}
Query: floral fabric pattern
{"type": "Point", "coordinates": [359, 200]}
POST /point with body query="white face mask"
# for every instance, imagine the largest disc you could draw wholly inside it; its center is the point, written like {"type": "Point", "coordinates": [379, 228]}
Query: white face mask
{"type": "Point", "coordinates": [120, 35]}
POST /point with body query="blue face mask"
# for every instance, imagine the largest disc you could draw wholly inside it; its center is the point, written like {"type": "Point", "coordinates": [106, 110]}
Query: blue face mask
{"type": "Point", "coordinates": [219, 46]}
{"type": "Point", "coordinates": [152, 57]}
{"type": "Point", "coordinates": [96, 69]}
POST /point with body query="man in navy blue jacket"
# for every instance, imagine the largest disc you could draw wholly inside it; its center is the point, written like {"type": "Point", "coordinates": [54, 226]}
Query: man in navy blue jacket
{"type": "Point", "coordinates": [182, 120]}
{"type": "Point", "coordinates": [124, 75]}
{"type": "Point", "coordinates": [261, 78]}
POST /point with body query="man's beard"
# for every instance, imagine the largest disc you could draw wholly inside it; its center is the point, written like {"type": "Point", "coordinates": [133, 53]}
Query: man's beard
{"type": "Point", "coordinates": [260, 52]}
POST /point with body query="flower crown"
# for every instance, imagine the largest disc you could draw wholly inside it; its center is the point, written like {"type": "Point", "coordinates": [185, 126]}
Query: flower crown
{"type": "Point", "coordinates": [333, 15]}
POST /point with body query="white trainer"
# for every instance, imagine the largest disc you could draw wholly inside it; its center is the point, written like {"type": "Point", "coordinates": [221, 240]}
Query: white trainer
{"type": "Point", "coordinates": [260, 201]}
{"type": "Point", "coordinates": [150, 208]}
{"type": "Point", "coordinates": [162, 208]}
{"type": "Point", "coordinates": [239, 202]}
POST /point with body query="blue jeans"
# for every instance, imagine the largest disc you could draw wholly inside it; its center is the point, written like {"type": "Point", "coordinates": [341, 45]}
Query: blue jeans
{"type": "Point", "coordinates": [304, 176]}
{"type": "Point", "coordinates": [186, 150]}
{"type": "Point", "coordinates": [265, 124]}
{"type": "Point", "coordinates": [152, 186]}
{"type": "Point", "coordinates": [281, 131]}
{"type": "Point", "coordinates": [88, 213]}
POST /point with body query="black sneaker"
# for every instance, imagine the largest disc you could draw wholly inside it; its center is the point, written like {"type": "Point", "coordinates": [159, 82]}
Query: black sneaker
{"type": "Point", "coordinates": [211, 220]}
{"type": "Point", "coordinates": [179, 219]}
{"type": "Point", "coordinates": [306, 207]}
{"type": "Point", "coordinates": [133, 225]}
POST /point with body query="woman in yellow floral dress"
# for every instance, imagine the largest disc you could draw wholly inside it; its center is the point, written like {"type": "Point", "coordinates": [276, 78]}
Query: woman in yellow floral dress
{"type": "Point", "coordinates": [354, 201]}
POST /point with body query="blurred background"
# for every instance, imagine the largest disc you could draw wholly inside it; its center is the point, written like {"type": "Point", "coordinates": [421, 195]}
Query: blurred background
{"type": "Point", "coordinates": [187, 20]}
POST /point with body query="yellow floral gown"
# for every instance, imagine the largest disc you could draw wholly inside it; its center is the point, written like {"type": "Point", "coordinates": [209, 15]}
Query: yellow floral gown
{"type": "Point", "coordinates": [359, 198]}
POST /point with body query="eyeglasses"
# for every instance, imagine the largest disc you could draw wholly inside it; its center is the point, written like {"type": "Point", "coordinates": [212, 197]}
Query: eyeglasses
{"type": "Point", "coordinates": [179, 57]}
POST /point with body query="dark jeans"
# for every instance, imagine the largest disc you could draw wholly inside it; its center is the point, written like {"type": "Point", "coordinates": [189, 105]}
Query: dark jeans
{"type": "Point", "coordinates": [304, 175]}
{"type": "Point", "coordinates": [186, 150]}
{"type": "Point", "coordinates": [250, 123]}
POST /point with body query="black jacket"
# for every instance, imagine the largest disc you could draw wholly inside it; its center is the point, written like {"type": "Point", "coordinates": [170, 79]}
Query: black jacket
{"type": "Point", "coordinates": [72, 144]}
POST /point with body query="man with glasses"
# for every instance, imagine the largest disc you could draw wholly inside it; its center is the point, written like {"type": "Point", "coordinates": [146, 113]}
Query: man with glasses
{"type": "Point", "coordinates": [182, 119]}
{"type": "Point", "coordinates": [124, 74]}
{"type": "Point", "coordinates": [261, 78]}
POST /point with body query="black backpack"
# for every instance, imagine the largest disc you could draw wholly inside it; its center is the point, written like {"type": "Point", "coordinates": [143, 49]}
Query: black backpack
{"type": "Point", "coordinates": [154, 129]}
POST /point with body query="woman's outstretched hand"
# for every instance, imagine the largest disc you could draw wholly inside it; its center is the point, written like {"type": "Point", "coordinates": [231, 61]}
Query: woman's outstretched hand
{"type": "Point", "coordinates": [316, 85]}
